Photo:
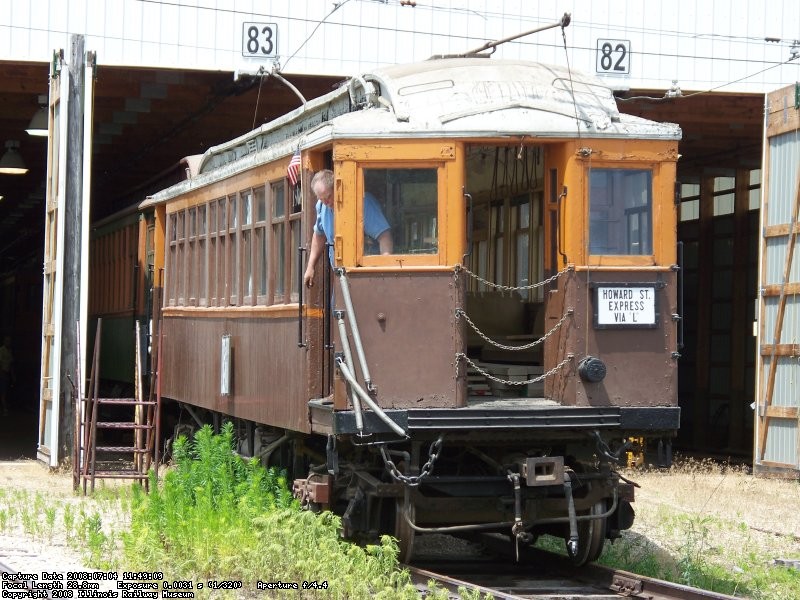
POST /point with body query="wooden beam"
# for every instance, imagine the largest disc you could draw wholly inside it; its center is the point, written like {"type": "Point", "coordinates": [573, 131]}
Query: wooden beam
{"type": "Point", "coordinates": [780, 349]}
{"type": "Point", "coordinates": [771, 231]}
{"type": "Point", "coordinates": [782, 115]}
{"type": "Point", "coordinates": [775, 289]}
{"type": "Point", "coordinates": [781, 412]}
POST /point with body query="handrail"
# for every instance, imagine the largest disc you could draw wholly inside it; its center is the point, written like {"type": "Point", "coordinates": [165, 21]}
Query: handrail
{"type": "Point", "coordinates": [301, 343]}
{"type": "Point", "coordinates": [351, 313]}
{"type": "Point", "coordinates": [468, 197]}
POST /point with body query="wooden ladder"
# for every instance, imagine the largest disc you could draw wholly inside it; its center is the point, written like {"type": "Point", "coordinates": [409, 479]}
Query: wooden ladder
{"type": "Point", "coordinates": [129, 459]}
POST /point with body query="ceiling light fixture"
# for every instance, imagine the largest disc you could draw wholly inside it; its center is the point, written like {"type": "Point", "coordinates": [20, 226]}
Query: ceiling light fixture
{"type": "Point", "coordinates": [12, 163]}
{"type": "Point", "coordinates": [38, 125]}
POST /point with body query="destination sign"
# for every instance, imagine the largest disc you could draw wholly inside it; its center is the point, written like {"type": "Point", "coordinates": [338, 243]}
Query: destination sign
{"type": "Point", "coordinates": [625, 305]}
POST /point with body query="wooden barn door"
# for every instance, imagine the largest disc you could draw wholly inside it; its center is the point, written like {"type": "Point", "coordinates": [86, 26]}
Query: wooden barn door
{"type": "Point", "coordinates": [50, 385]}
{"type": "Point", "coordinates": [777, 443]}
{"type": "Point", "coordinates": [66, 247]}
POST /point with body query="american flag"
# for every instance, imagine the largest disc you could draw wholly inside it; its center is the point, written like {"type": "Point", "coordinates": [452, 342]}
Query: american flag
{"type": "Point", "coordinates": [293, 170]}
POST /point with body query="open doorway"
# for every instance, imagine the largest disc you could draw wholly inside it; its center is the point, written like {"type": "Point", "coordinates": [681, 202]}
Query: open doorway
{"type": "Point", "coordinates": [21, 321]}
{"type": "Point", "coordinates": [506, 185]}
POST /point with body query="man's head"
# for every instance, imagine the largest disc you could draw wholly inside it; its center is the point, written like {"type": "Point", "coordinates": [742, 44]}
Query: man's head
{"type": "Point", "coordinates": [322, 186]}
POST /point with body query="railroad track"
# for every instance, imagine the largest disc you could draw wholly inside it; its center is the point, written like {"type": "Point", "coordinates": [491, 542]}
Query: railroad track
{"type": "Point", "coordinates": [504, 582]}
{"type": "Point", "coordinates": [541, 575]}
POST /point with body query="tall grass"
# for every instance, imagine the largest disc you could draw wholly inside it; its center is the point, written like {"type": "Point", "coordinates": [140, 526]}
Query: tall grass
{"type": "Point", "coordinates": [698, 524]}
{"type": "Point", "coordinates": [215, 516]}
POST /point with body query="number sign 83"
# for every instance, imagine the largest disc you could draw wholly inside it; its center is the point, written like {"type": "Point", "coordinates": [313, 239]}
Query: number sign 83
{"type": "Point", "coordinates": [259, 40]}
{"type": "Point", "coordinates": [613, 57]}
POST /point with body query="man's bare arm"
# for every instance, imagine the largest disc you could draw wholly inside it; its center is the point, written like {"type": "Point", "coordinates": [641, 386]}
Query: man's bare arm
{"type": "Point", "coordinates": [386, 242]}
{"type": "Point", "coordinates": [317, 246]}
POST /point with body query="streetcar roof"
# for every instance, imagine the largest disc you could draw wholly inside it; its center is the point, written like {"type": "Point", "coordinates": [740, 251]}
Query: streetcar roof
{"type": "Point", "coordinates": [448, 97]}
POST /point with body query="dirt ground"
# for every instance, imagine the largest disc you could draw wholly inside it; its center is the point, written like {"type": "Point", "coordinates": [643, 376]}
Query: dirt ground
{"type": "Point", "coordinates": [28, 553]}
{"type": "Point", "coordinates": [767, 510]}
{"type": "Point", "coordinates": [707, 488]}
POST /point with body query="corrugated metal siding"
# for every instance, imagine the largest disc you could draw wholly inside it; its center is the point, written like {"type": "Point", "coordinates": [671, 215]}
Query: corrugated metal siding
{"type": "Point", "coordinates": [776, 259]}
{"type": "Point", "coordinates": [777, 440]}
{"type": "Point", "coordinates": [784, 151]}
{"type": "Point", "coordinates": [782, 443]}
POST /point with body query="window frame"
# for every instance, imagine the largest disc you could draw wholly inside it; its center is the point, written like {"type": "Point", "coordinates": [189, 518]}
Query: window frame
{"type": "Point", "coordinates": [233, 254]}
{"type": "Point", "coordinates": [481, 233]}
{"type": "Point", "coordinates": [277, 294]}
{"type": "Point", "coordinates": [207, 266]}
{"type": "Point", "coordinates": [261, 235]}
{"type": "Point", "coordinates": [212, 268]}
{"type": "Point", "coordinates": [648, 259]}
{"type": "Point", "coordinates": [373, 260]}
{"type": "Point", "coordinates": [247, 231]}
{"type": "Point", "coordinates": [191, 256]}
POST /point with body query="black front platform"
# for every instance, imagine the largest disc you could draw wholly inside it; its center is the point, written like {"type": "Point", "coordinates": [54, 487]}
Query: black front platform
{"type": "Point", "coordinates": [529, 414]}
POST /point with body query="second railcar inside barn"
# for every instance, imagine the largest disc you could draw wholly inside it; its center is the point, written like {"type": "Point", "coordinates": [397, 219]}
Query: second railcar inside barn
{"type": "Point", "coordinates": [487, 371]}
{"type": "Point", "coordinates": [118, 295]}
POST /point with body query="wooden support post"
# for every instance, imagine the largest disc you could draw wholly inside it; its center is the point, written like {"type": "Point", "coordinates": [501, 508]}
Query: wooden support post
{"type": "Point", "coordinates": [70, 299]}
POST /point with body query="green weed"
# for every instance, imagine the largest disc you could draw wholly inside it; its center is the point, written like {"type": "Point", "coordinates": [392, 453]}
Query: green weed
{"type": "Point", "coordinates": [68, 518]}
{"type": "Point", "coordinates": [50, 520]}
{"type": "Point", "coordinates": [217, 516]}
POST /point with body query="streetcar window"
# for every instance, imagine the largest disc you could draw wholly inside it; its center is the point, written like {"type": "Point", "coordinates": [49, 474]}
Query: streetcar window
{"type": "Point", "coordinates": [191, 257]}
{"type": "Point", "coordinates": [521, 222]}
{"type": "Point", "coordinates": [621, 212]}
{"type": "Point", "coordinates": [406, 202]}
{"type": "Point", "coordinates": [247, 207]}
{"type": "Point", "coordinates": [246, 249]}
{"type": "Point", "coordinates": [294, 243]}
{"type": "Point", "coordinates": [260, 199]}
{"type": "Point", "coordinates": [479, 257]}
{"type": "Point", "coordinates": [222, 253]}
{"type": "Point", "coordinates": [498, 241]}
{"type": "Point", "coordinates": [212, 253]}
{"type": "Point", "coordinates": [279, 241]}
{"type": "Point", "coordinates": [180, 265]}
{"type": "Point", "coordinates": [233, 249]}
{"type": "Point", "coordinates": [261, 206]}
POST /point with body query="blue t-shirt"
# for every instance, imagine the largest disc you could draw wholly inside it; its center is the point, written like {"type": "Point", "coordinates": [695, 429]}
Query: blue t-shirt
{"type": "Point", "coordinates": [374, 221]}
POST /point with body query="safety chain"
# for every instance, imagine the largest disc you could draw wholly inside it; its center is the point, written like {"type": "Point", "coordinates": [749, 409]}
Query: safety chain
{"type": "Point", "coordinates": [462, 356]}
{"type": "Point", "coordinates": [413, 480]}
{"type": "Point", "coordinates": [460, 313]}
{"type": "Point", "coordinates": [511, 288]}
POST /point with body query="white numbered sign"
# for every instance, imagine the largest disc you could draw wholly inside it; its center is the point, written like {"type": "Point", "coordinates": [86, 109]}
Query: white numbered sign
{"type": "Point", "coordinates": [259, 40]}
{"type": "Point", "coordinates": [613, 57]}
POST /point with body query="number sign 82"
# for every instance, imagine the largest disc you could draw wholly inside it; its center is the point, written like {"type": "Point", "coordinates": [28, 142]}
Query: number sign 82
{"type": "Point", "coordinates": [613, 57]}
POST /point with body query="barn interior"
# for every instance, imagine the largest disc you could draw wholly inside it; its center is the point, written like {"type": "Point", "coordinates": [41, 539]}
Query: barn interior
{"type": "Point", "coordinates": [146, 120]}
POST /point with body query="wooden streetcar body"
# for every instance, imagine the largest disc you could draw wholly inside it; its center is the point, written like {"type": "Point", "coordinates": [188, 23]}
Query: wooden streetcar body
{"type": "Point", "coordinates": [493, 175]}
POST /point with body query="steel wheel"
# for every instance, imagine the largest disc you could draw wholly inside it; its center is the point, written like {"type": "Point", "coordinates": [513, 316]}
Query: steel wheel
{"type": "Point", "coordinates": [404, 512]}
{"type": "Point", "coordinates": [591, 537]}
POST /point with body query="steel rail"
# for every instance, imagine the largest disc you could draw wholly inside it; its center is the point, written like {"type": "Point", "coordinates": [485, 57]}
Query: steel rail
{"type": "Point", "coordinates": [546, 576]}
{"type": "Point", "coordinates": [506, 580]}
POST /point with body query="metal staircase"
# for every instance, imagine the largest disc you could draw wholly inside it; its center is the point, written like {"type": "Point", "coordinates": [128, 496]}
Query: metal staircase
{"type": "Point", "coordinates": [129, 429]}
